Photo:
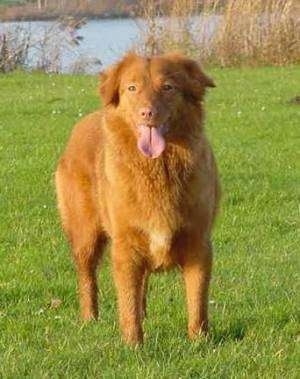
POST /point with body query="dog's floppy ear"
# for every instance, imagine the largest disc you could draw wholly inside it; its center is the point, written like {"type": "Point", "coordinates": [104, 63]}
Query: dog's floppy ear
{"type": "Point", "coordinates": [110, 80]}
{"type": "Point", "coordinates": [195, 72]}
{"type": "Point", "coordinates": [197, 81]}
{"type": "Point", "coordinates": [109, 85]}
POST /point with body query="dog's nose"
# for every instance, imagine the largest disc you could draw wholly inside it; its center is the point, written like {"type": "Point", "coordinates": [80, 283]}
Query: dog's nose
{"type": "Point", "coordinates": [147, 113]}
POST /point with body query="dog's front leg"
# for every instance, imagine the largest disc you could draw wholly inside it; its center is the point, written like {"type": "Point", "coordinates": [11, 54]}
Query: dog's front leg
{"type": "Point", "coordinates": [128, 273]}
{"type": "Point", "coordinates": [197, 272]}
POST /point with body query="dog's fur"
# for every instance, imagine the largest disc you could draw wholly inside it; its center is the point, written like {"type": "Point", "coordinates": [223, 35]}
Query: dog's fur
{"type": "Point", "coordinates": [159, 212]}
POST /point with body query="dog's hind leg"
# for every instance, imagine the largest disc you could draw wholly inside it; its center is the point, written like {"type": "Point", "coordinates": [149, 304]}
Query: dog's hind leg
{"type": "Point", "coordinates": [144, 289]}
{"type": "Point", "coordinates": [87, 254]}
{"type": "Point", "coordinates": [81, 223]}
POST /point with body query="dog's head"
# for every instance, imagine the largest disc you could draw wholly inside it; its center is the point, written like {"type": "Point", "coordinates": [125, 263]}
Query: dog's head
{"type": "Point", "coordinates": [150, 94]}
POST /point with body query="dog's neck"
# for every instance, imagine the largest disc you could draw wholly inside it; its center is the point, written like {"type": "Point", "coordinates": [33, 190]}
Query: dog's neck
{"type": "Point", "coordinates": [182, 147]}
{"type": "Point", "coordinates": [161, 182]}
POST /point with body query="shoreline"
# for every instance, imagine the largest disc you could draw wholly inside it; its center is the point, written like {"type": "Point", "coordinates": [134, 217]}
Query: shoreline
{"type": "Point", "coordinates": [31, 13]}
{"type": "Point", "coordinates": [58, 16]}
{"type": "Point", "coordinates": [55, 16]}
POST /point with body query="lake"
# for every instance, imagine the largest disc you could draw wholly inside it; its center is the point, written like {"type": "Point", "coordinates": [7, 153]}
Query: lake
{"type": "Point", "coordinates": [105, 40]}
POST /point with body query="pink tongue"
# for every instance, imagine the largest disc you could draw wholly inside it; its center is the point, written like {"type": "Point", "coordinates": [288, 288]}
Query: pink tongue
{"type": "Point", "coordinates": [151, 141]}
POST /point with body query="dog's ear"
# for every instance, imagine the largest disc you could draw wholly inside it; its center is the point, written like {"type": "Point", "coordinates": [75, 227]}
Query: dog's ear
{"type": "Point", "coordinates": [197, 81]}
{"type": "Point", "coordinates": [109, 85]}
{"type": "Point", "coordinates": [110, 80]}
{"type": "Point", "coordinates": [195, 72]}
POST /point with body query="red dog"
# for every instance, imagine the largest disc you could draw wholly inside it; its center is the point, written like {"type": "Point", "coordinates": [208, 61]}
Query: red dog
{"type": "Point", "coordinates": [142, 173]}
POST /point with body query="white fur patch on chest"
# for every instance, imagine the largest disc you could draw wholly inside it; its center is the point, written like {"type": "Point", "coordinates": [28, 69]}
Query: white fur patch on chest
{"type": "Point", "coordinates": [159, 242]}
{"type": "Point", "coordinates": [160, 249]}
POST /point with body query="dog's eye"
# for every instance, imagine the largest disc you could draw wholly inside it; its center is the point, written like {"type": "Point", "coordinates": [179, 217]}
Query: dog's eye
{"type": "Point", "coordinates": [167, 87]}
{"type": "Point", "coordinates": [132, 88]}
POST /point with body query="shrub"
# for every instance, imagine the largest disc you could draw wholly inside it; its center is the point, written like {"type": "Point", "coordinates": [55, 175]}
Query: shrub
{"type": "Point", "coordinates": [14, 45]}
{"type": "Point", "coordinates": [43, 48]}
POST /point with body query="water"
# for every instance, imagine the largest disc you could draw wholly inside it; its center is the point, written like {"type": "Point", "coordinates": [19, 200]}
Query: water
{"type": "Point", "coordinates": [107, 40]}
{"type": "Point", "coordinates": [104, 40]}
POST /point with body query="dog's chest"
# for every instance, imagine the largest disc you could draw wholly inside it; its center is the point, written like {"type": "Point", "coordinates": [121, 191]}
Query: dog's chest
{"type": "Point", "coordinates": [160, 249]}
{"type": "Point", "coordinates": [158, 191]}
{"type": "Point", "coordinates": [158, 208]}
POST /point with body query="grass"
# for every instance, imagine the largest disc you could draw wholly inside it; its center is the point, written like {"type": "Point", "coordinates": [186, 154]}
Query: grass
{"type": "Point", "coordinates": [254, 319]}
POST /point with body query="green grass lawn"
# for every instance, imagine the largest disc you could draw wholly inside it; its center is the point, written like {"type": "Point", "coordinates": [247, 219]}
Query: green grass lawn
{"type": "Point", "coordinates": [255, 332]}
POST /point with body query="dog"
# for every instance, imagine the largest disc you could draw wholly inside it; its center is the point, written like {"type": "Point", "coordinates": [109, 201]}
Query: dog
{"type": "Point", "coordinates": [141, 173]}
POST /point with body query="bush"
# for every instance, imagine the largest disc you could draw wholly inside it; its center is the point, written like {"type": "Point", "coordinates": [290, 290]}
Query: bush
{"type": "Point", "coordinates": [43, 48]}
{"type": "Point", "coordinates": [14, 45]}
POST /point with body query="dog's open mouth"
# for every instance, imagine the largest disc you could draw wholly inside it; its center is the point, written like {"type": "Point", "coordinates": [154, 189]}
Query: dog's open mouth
{"type": "Point", "coordinates": [151, 141]}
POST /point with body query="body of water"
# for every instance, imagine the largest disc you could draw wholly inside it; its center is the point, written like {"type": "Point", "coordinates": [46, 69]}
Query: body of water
{"type": "Point", "coordinates": [103, 40]}
{"type": "Point", "coordinates": [107, 40]}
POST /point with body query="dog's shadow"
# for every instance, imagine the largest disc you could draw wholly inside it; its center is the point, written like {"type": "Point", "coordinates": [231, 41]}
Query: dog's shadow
{"type": "Point", "coordinates": [233, 333]}
{"type": "Point", "coordinates": [217, 336]}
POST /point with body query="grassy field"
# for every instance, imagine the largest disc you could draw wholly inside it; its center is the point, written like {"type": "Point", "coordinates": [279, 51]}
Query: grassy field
{"type": "Point", "coordinates": [255, 132]}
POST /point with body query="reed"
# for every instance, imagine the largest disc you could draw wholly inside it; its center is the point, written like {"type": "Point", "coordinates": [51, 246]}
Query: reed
{"type": "Point", "coordinates": [224, 33]}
